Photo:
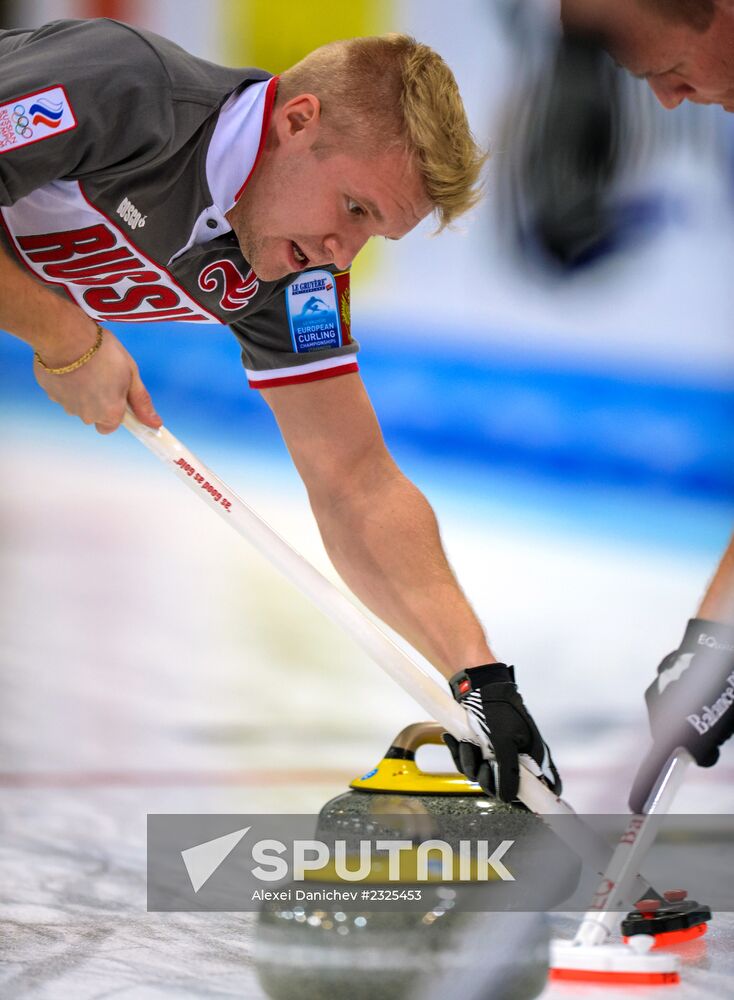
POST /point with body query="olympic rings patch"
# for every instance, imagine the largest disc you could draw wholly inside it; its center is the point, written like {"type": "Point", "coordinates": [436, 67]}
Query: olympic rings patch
{"type": "Point", "coordinates": [40, 115]}
{"type": "Point", "coordinates": [21, 122]}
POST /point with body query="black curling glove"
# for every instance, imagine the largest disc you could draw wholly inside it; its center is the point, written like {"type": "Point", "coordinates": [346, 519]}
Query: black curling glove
{"type": "Point", "coordinates": [497, 714]}
{"type": "Point", "coordinates": [690, 703]}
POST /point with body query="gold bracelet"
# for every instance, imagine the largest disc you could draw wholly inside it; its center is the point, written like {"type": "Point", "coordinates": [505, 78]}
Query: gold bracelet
{"type": "Point", "coordinates": [75, 364]}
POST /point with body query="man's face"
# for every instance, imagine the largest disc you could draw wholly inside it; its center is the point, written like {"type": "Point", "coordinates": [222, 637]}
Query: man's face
{"type": "Point", "coordinates": [679, 63]}
{"type": "Point", "coordinates": [304, 208]}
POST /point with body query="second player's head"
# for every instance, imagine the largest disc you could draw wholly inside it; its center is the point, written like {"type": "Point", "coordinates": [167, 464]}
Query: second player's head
{"type": "Point", "coordinates": [683, 48]}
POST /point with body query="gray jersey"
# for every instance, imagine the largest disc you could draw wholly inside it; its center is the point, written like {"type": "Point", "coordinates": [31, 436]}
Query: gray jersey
{"type": "Point", "coordinates": [119, 155]}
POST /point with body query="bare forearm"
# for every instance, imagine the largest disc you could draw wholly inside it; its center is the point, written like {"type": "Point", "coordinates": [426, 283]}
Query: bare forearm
{"type": "Point", "coordinates": [58, 329]}
{"type": "Point", "coordinates": [718, 602]}
{"type": "Point", "coordinates": [106, 383]}
{"type": "Point", "coordinates": [383, 540]}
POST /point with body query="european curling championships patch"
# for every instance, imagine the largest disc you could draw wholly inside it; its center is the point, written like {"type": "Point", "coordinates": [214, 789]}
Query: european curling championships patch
{"type": "Point", "coordinates": [33, 117]}
{"type": "Point", "coordinates": [313, 312]}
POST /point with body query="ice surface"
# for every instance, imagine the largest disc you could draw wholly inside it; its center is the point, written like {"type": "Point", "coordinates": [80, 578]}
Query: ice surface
{"type": "Point", "coordinates": [151, 663]}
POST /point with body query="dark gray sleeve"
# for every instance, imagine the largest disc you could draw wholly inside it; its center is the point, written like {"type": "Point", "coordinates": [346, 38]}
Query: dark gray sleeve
{"type": "Point", "coordinates": [302, 333]}
{"type": "Point", "coordinates": [116, 86]}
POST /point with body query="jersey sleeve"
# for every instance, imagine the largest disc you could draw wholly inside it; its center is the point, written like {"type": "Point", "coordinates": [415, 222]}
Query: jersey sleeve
{"type": "Point", "coordinates": [302, 333]}
{"type": "Point", "coordinates": [76, 98]}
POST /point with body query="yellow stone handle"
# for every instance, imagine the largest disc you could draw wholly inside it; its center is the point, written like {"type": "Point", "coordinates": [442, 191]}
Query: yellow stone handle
{"type": "Point", "coordinates": [413, 737]}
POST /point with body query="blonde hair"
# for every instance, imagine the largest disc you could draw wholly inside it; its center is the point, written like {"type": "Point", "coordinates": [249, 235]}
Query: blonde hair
{"type": "Point", "coordinates": [387, 91]}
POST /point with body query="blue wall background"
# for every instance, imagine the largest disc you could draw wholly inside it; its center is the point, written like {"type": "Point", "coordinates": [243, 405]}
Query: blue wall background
{"type": "Point", "coordinates": [485, 407]}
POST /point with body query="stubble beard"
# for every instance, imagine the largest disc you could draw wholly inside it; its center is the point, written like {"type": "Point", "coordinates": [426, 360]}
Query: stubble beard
{"type": "Point", "coordinates": [251, 246]}
{"type": "Point", "coordinates": [255, 251]}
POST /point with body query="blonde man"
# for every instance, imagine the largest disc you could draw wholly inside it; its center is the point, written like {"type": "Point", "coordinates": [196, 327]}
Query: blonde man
{"type": "Point", "coordinates": [149, 184]}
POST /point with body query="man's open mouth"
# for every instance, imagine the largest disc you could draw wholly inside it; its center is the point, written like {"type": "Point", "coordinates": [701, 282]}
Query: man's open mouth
{"type": "Point", "coordinates": [300, 256]}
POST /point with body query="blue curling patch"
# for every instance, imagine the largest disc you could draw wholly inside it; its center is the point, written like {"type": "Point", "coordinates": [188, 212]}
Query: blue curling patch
{"type": "Point", "coordinates": [313, 314]}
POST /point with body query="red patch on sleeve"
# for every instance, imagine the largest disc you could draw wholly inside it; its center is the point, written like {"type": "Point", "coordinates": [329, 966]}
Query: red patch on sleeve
{"type": "Point", "coordinates": [344, 305]}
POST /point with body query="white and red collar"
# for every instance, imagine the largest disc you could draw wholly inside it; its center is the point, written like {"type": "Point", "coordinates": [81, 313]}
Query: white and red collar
{"type": "Point", "coordinates": [237, 142]}
{"type": "Point", "coordinates": [234, 150]}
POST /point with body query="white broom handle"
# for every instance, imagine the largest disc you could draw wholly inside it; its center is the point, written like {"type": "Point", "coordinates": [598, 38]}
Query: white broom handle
{"type": "Point", "coordinates": [335, 605]}
{"type": "Point", "coordinates": [435, 699]}
{"type": "Point", "coordinates": [618, 887]}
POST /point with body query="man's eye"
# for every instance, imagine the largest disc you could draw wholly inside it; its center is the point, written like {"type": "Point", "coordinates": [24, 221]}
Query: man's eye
{"type": "Point", "coordinates": [355, 209]}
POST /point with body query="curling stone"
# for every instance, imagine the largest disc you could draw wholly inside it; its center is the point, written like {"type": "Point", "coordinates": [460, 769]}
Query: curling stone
{"type": "Point", "coordinates": [397, 799]}
{"type": "Point", "coordinates": [317, 949]}
{"type": "Point", "coordinates": [398, 787]}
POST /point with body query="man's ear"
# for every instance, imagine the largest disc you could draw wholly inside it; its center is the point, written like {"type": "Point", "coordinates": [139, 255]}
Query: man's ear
{"type": "Point", "coordinates": [300, 116]}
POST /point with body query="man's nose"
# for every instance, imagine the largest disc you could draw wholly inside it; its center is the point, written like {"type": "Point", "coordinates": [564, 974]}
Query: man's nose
{"type": "Point", "coordinates": [671, 93]}
{"type": "Point", "coordinates": [343, 249]}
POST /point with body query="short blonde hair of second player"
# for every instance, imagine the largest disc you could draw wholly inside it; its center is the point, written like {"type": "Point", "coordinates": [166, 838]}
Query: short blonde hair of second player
{"type": "Point", "coordinates": [384, 91]}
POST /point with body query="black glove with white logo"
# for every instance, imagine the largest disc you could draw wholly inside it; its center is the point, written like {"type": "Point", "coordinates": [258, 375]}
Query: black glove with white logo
{"type": "Point", "coordinates": [497, 714]}
{"type": "Point", "coordinates": [690, 703]}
